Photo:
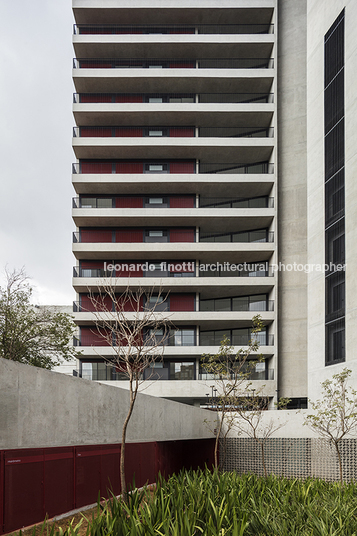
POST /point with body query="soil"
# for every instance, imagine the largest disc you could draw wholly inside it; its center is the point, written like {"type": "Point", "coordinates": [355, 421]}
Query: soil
{"type": "Point", "coordinates": [37, 530]}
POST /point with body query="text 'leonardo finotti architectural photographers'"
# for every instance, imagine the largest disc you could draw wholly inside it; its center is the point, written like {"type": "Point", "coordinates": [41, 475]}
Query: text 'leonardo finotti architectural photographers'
{"type": "Point", "coordinates": [215, 160]}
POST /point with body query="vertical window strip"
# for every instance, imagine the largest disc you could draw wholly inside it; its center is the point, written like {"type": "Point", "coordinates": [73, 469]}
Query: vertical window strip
{"type": "Point", "coordinates": [334, 110]}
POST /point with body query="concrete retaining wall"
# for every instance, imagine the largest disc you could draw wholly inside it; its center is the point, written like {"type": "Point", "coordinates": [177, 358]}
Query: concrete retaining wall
{"type": "Point", "coordinates": [40, 408]}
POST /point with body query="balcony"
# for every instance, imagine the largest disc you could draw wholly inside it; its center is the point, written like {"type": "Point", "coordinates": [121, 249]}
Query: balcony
{"type": "Point", "coordinates": [138, 236]}
{"type": "Point", "coordinates": [173, 98]}
{"type": "Point", "coordinates": [158, 132]}
{"type": "Point", "coordinates": [172, 29]}
{"type": "Point", "coordinates": [169, 269]}
{"type": "Point", "coordinates": [176, 75]}
{"type": "Point", "coordinates": [179, 167]}
{"type": "Point", "coordinates": [172, 63]}
{"type": "Point", "coordinates": [239, 304]}
{"type": "Point", "coordinates": [161, 201]}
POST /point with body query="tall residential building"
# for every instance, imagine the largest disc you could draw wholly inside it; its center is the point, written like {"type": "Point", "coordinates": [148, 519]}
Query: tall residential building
{"type": "Point", "coordinates": [196, 171]}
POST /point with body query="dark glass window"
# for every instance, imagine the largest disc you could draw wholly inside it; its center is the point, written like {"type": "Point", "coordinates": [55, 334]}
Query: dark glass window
{"type": "Point", "coordinates": [335, 254]}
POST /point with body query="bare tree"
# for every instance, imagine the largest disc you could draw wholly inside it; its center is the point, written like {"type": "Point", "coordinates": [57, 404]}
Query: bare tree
{"type": "Point", "coordinates": [230, 370]}
{"type": "Point", "coordinates": [250, 419]}
{"type": "Point", "coordinates": [136, 325]}
{"type": "Point", "coordinates": [335, 415]}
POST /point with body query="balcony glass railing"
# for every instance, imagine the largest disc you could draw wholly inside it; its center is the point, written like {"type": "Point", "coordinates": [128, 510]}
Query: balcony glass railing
{"type": "Point", "coordinates": [246, 236]}
{"type": "Point", "coordinates": [173, 98]}
{"type": "Point", "coordinates": [116, 167]}
{"type": "Point", "coordinates": [194, 29]}
{"type": "Point", "coordinates": [248, 270]}
{"type": "Point", "coordinates": [173, 63]}
{"type": "Point", "coordinates": [173, 132]}
{"type": "Point", "coordinates": [173, 202]}
{"type": "Point", "coordinates": [254, 375]}
{"type": "Point", "coordinates": [237, 337]}
{"type": "Point", "coordinates": [240, 303]}
{"type": "Point", "coordinates": [106, 236]}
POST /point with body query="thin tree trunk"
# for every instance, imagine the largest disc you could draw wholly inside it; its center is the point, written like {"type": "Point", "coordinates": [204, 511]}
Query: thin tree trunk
{"type": "Point", "coordinates": [216, 446]}
{"type": "Point", "coordinates": [122, 450]}
{"type": "Point", "coordinates": [339, 463]}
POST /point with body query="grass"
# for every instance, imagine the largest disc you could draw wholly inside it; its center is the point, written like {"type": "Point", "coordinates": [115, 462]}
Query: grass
{"type": "Point", "coordinates": [227, 504]}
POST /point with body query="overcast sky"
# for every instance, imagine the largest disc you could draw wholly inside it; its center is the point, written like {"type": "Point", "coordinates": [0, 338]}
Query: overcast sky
{"type": "Point", "coordinates": [36, 155]}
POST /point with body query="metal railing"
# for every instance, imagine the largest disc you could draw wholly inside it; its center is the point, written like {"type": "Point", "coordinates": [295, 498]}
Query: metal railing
{"type": "Point", "coordinates": [202, 167]}
{"type": "Point", "coordinates": [258, 269]}
{"type": "Point", "coordinates": [138, 29]}
{"type": "Point", "coordinates": [204, 202]}
{"type": "Point", "coordinates": [234, 202]}
{"type": "Point", "coordinates": [174, 63]}
{"type": "Point", "coordinates": [174, 98]}
{"type": "Point", "coordinates": [175, 132]}
{"type": "Point", "coordinates": [214, 338]}
{"type": "Point", "coordinates": [98, 272]}
{"type": "Point", "coordinates": [244, 305]}
{"type": "Point", "coordinates": [108, 236]}
{"type": "Point", "coordinates": [243, 236]}
{"type": "Point", "coordinates": [254, 168]}
{"type": "Point", "coordinates": [254, 375]}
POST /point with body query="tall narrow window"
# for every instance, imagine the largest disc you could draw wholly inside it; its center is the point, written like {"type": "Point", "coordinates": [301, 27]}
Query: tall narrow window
{"type": "Point", "coordinates": [334, 108]}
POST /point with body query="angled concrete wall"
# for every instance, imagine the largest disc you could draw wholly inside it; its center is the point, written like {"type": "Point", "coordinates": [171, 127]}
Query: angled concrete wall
{"type": "Point", "coordinates": [40, 408]}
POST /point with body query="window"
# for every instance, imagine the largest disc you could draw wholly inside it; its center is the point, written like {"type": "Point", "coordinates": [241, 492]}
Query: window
{"type": "Point", "coordinates": [182, 370]}
{"type": "Point", "coordinates": [183, 337]}
{"type": "Point", "coordinates": [156, 235]}
{"type": "Point", "coordinates": [156, 168]}
{"type": "Point", "coordinates": [334, 109]}
{"type": "Point", "coordinates": [156, 133]}
{"type": "Point", "coordinates": [104, 202]}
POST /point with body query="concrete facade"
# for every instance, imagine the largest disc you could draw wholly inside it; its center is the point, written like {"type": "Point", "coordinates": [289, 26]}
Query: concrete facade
{"type": "Point", "coordinates": [320, 17]}
{"type": "Point", "coordinates": [195, 96]}
{"type": "Point", "coordinates": [204, 75]}
{"type": "Point", "coordinates": [41, 408]}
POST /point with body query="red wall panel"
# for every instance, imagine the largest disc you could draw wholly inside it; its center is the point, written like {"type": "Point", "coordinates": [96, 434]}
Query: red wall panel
{"type": "Point", "coordinates": [24, 497]}
{"type": "Point", "coordinates": [95, 98]}
{"type": "Point", "coordinates": [56, 480]}
{"type": "Point", "coordinates": [96, 167]}
{"type": "Point", "coordinates": [109, 470]}
{"type": "Point", "coordinates": [2, 490]}
{"type": "Point", "coordinates": [128, 98]}
{"type": "Point", "coordinates": [91, 337]}
{"type": "Point", "coordinates": [59, 480]}
{"type": "Point", "coordinates": [129, 167]}
{"type": "Point", "coordinates": [127, 272]}
{"type": "Point", "coordinates": [186, 201]}
{"type": "Point", "coordinates": [182, 167]}
{"type": "Point", "coordinates": [129, 305]}
{"type": "Point", "coordinates": [92, 264]}
{"type": "Point", "coordinates": [95, 235]}
{"type": "Point", "coordinates": [182, 235]}
{"type": "Point", "coordinates": [103, 303]}
{"type": "Point", "coordinates": [182, 302]}
{"type": "Point", "coordinates": [127, 132]}
{"type": "Point", "coordinates": [129, 235]}
{"type": "Point", "coordinates": [129, 202]}
{"type": "Point", "coordinates": [181, 132]}
{"type": "Point", "coordinates": [88, 478]}
{"type": "Point", "coordinates": [95, 132]}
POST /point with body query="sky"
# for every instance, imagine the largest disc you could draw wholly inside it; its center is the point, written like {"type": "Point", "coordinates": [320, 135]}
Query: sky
{"type": "Point", "coordinates": [35, 145]}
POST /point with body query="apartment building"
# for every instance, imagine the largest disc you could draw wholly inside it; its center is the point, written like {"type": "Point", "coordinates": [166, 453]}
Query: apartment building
{"type": "Point", "coordinates": [180, 161]}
